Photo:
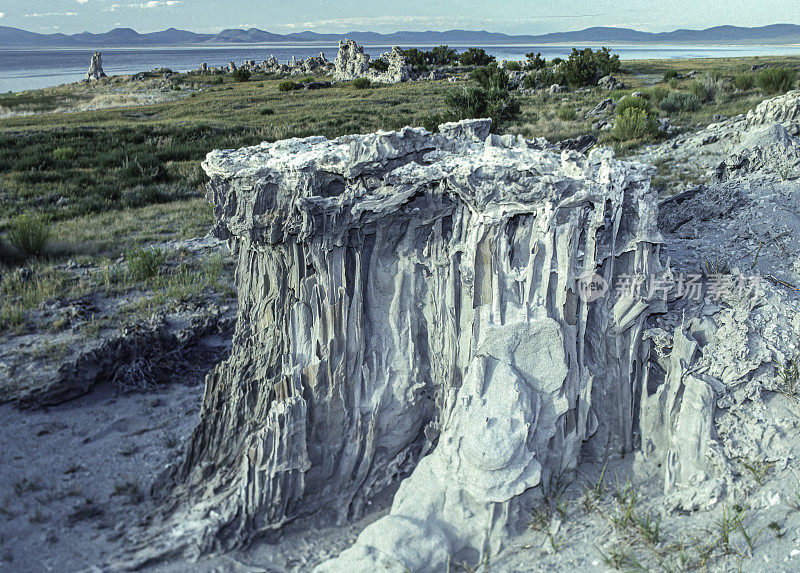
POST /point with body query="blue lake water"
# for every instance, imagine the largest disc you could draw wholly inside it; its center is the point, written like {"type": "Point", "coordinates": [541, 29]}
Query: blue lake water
{"type": "Point", "coordinates": [32, 69]}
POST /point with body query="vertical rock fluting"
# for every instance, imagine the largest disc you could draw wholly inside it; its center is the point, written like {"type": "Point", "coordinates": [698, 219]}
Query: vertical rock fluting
{"type": "Point", "coordinates": [410, 305]}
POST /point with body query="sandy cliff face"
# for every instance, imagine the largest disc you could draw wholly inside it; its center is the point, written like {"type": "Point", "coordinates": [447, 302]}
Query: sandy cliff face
{"type": "Point", "coordinates": [412, 305]}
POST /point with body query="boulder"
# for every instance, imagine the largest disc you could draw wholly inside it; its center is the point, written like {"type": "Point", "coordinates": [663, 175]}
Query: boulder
{"type": "Point", "coordinates": [609, 83]}
{"type": "Point", "coordinates": [95, 68]}
{"type": "Point", "coordinates": [556, 89]}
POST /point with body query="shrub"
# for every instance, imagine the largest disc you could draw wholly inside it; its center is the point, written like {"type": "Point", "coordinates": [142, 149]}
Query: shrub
{"type": "Point", "coordinates": [700, 91]}
{"type": "Point", "coordinates": [657, 94]}
{"type": "Point", "coordinates": [513, 66]}
{"type": "Point", "coordinates": [490, 98]}
{"type": "Point", "coordinates": [287, 86]}
{"type": "Point", "coordinates": [475, 57]}
{"type": "Point", "coordinates": [556, 61]}
{"type": "Point", "coordinates": [630, 102]}
{"type": "Point", "coordinates": [584, 65]}
{"type": "Point", "coordinates": [670, 74]}
{"type": "Point", "coordinates": [536, 61]}
{"type": "Point", "coordinates": [673, 83]}
{"type": "Point", "coordinates": [64, 153]}
{"type": "Point", "coordinates": [29, 233]}
{"type": "Point", "coordinates": [267, 111]}
{"type": "Point", "coordinates": [776, 80]}
{"type": "Point", "coordinates": [744, 81]}
{"type": "Point", "coordinates": [241, 75]}
{"type": "Point", "coordinates": [442, 56]}
{"type": "Point", "coordinates": [379, 65]}
{"type": "Point", "coordinates": [680, 101]}
{"type": "Point", "coordinates": [416, 58]}
{"type": "Point", "coordinates": [144, 264]}
{"type": "Point", "coordinates": [567, 113]}
{"type": "Point", "coordinates": [215, 81]}
{"type": "Point", "coordinates": [634, 123]}
{"type": "Point", "coordinates": [361, 83]}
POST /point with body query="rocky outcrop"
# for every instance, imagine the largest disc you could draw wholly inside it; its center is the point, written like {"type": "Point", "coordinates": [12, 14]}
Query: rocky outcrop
{"type": "Point", "coordinates": [95, 68]}
{"type": "Point", "coordinates": [351, 63]}
{"type": "Point", "coordinates": [430, 306]}
{"type": "Point", "coordinates": [784, 109]}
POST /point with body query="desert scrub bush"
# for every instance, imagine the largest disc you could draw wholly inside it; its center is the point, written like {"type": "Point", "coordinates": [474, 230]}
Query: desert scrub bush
{"type": "Point", "coordinates": [536, 61]}
{"type": "Point", "coordinates": [744, 81]}
{"type": "Point", "coordinates": [776, 80]}
{"type": "Point", "coordinates": [631, 102]}
{"type": "Point", "coordinates": [287, 86]}
{"type": "Point", "coordinates": [634, 124]}
{"type": "Point", "coordinates": [188, 281]}
{"type": "Point", "coordinates": [490, 98]}
{"type": "Point", "coordinates": [29, 233]}
{"type": "Point", "coordinates": [267, 111]}
{"type": "Point", "coordinates": [215, 81]}
{"type": "Point", "coordinates": [241, 75]}
{"type": "Point", "coordinates": [680, 101]}
{"type": "Point", "coordinates": [442, 56]}
{"type": "Point", "coordinates": [657, 94]}
{"type": "Point", "coordinates": [567, 113]}
{"type": "Point", "coordinates": [475, 57]}
{"type": "Point", "coordinates": [513, 66]}
{"type": "Point", "coordinates": [670, 74]}
{"type": "Point", "coordinates": [361, 83]}
{"type": "Point", "coordinates": [379, 65]}
{"type": "Point", "coordinates": [64, 153]}
{"type": "Point", "coordinates": [583, 66]}
{"type": "Point", "coordinates": [144, 264]}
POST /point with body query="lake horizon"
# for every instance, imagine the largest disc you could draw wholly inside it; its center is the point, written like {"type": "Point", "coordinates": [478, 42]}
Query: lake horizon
{"type": "Point", "coordinates": [23, 69]}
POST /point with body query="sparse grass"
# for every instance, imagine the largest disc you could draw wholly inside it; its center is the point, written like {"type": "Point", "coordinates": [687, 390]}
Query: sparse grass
{"type": "Point", "coordinates": [776, 80]}
{"type": "Point", "coordinates": [567, 113]}
{"type": "Point", "coordinates": [789, 377]}
{"type": "Point", "coordinates": [758, 469]}
{"type": "Point", "coordinates": [29, 233]}
{"type": "Point", "coordinates": [144, 264]}
{"type": "Point", "coordinates": [25, 485]}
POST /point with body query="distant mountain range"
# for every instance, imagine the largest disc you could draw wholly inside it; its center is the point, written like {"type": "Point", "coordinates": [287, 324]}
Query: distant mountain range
{"type": "Point", "coordinates": [128, 38]}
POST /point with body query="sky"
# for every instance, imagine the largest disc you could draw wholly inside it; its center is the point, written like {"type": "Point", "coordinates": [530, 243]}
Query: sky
{"type": "Point", "coordinates": [511, 17]}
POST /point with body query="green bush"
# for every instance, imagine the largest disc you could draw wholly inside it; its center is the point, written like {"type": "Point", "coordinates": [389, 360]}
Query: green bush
{"type": "Point", "coordinates": [64, 153]}
{"type": "Point", "coordinates": [361, 83]}
{"type": "Point", "coordinates": [700, 91]}
{"type": "Point", "coordinates": [513, 66]}
{"type": "Point", "coordinates": [634, 124]}
{"type": "Point", "coordinates": [490, 98]}
{"type": "Point", "coordinates": [267, 111]}
{"type": "Point", "coordinates": [144, 264]}
{"type": "Point", "coordinates": [287, 86]}
{"type": "Point", "coordinates": [29, 233]}
{"type": "Point", "coordinates": [241, 75]}
{"type": "Point", "coordinates": [583, 66]}
{"type": "Point", "coordinates": [670, 74]}
{"type": "Point", "coordinates": [673, 83]}
{"type": "Point", "coordinates": [744, 81]}
{"type": "Point", "coordinates": [776, 80]}
{"type": "Point", "coordinates": [379, 65]}
{"type": "Point", "coordinates": [217, 80]}
{"type": "Point", "coordinates": [475, 57]}
{"type": "Point", "coordinates": [536, 61]}
{"type": "Point", "coordinates": [417, 58]}
{"type": "Point", "coordinates": [567, 113]}
{"type": "Point", "coordinates": [630, 102]}
{"type": "Point", "coordinates": [657, 94]}
{"type": "Point", "coordinates": [680, 101]}
{"type": "Point", "coordinates": [442, 56]}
